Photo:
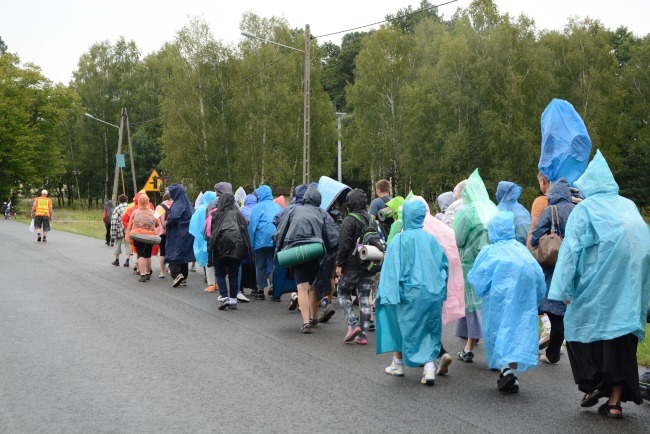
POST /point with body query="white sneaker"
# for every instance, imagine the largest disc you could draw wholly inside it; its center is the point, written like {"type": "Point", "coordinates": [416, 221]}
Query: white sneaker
{"type": "Point", "coordinates": [545, 359]}
{"type": "Point", "coordinates": [242, 297]}
{"type": "Point", "coordinates": [443, 364]}
{"type": "Point", "coordinates": [395, 370]}
{"type": "Point", "coordinates": [545, 339]}
{"type": "Point", "coordinates": [428, 377]}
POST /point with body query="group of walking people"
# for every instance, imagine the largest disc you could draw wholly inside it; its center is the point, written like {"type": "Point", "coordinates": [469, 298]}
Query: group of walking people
{"type": "Point", "coordinates": [471, 264]}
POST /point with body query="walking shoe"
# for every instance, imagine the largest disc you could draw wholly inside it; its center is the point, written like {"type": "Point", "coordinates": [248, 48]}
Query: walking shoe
{"type": "Point", "coordinates": [116, 263]}
{"type": "Point", "coordinates": [233, 306]}
{"type": "Point", "coordinates": [371, 326]}
{"type": "Point", "coordinates": [269, 290]}
{"type": "Point", "coordinates": [242, 297]}
{"type": "Point", "coordinates": [293, 304]}
{"type": "Point", "coordinates": [428, 377]}
{"type": "Point", "coordinates": [177, 281]}
{"type": "Point", "coordinates": [466, 356]}
{"type": "Point", "coordinates": [38, 239]}
{"type": "Point", "coordinates": [193, 269]}
{"type": "Point", "coordinates": [506, 382]}
{"type": "Point", "coordinates": [361, 340]}
{"type": "Point", "coordinates": [545, 359]}
{"type": "Point", "coordinates": [327, 313]}
{"type": "Point", "coordinates": [545, 338]}
{"type": "Point", "coordinates": [184, 282]}
{"type": "Point", "coordinates": [254, 292]}
{"type": "Point", "coordinates": [260, 295]}
{"type": "Point", "coordinates": [395, 370]}
{"type": "Point", "coordinates": [126, 263]}
{"type": "Point", "coordinates": [45, 239]}
{"type": "Point", "coordinates": [352, 333]}
{"type": "Point", "coordinates": [142, 278]}
{"type": "Point", "coordinates": [161, 275]}
{"type": "Point", "coordinates": [443, 364]}
{"type": "Point", "coordinates": [313, 322]}
{"type": "Point", "coordinates": [210, 288]}
{"type": "Point", "coordinates": [305, 328]}
{"type": "Point", "coordinates": [225, 304]}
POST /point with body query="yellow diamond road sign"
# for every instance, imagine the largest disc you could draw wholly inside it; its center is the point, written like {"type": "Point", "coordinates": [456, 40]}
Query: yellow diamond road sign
{"type": "Point", "coordinates": [154, 182]}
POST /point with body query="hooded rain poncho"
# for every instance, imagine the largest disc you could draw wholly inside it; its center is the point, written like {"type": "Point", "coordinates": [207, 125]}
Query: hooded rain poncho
{"type": "Point", "coordinates": [470, 227]}
{"type": "Point", "coordinates": [603, 267]}
{"type": "Point", "coordinates": [261, 227]}
{"type": "Point", "coordinates": [454, 307]}
{"type": "Point", "coordinates": [511, 283]}
{"type": "Point", "coordinates": [412, 288]}
{"type": "Point", "coordinates": [507, 195]}
{"type": "Point", "coordinates": [200, 245]}
{"type": "Point", "coordinates": [179, 244]}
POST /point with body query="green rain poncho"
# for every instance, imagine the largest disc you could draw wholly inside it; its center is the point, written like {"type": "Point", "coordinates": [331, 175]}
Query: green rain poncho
{"type": "Point", "coordinates": [603, 267]}
{"type": "Point", "coordinates": [412, 287]}
{"type": "Point", "coordinates": [470, 226]}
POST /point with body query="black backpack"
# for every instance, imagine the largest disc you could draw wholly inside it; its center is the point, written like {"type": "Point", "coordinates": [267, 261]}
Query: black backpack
{"type": "Point", "coordinates": [370, 235]}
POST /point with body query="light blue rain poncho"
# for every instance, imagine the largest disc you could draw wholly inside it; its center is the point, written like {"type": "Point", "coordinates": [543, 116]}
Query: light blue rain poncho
{"type": "Point", "coordinates": [603, 266]}
{"type": "Point", "coordinates": [197, 221]}
{"type": "Point", "coordinates": [507, 195]}
{"type": "Point", "coordinates": [412, 287]}
{"type": "Point", "coordinates": [470, 227]}
{"type": "Point", "coordinates": [512, 284]}
{"type": "Point", "coordinates": [566, 145]}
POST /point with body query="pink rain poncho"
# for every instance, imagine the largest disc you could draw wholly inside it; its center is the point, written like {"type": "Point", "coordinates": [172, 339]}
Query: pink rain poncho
{"type": "Point", "coordinates": [454, 307]}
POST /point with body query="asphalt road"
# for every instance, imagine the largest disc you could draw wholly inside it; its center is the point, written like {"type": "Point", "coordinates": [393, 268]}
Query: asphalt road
{"type": "Point", "coordinates": [84, 347]}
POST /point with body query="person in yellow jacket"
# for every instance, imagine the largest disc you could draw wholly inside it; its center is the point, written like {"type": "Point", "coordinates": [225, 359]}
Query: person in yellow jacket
{"type": "Point", "coordinates": [42, 215]}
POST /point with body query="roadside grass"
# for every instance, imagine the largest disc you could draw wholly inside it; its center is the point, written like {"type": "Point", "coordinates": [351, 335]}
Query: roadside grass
{"type": "Point", "coordinates": [89, 223]}
{"type": "Point", "coordinates": [77, 221]}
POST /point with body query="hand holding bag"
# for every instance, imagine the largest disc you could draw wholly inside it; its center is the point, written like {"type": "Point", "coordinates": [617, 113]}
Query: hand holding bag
{"type": "Point", "coordinates": [549, 244]}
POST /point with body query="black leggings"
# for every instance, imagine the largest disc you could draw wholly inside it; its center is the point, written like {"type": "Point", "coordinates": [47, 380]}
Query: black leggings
{"type": "Point", "coordinates": [557, 337]}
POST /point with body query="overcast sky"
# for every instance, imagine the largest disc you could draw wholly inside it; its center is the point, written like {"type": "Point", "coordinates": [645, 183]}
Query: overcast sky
{"type": "Point", "coordinates": [53, 34]}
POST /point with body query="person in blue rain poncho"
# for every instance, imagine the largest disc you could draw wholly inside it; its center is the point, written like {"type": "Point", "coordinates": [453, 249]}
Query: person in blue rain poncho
{"type": "Point", "coordinates": [412, 288]}
{"type": "Point", "coordinates": [470, 227]}
{"type": "Point", "coordinates": [511, 283]}
{"type": "Point", "coordinates": [260, 232]}
{"type": "Point", "coordinates": [603, 272]}
{"type": "Point", "coordinates": [507, 195]}
{"type": "Point", "coordinates": [197, 229]}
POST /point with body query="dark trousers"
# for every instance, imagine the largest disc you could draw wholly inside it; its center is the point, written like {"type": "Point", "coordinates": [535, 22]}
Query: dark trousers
{"type": "Point", "coordinates": [176, 269]}
{"type": "Point", "coordinates": [108, 233]}
{"type": "Point", "coordinates": [557, 337]}
{"type": "Point", "coordinates": [227, 267]}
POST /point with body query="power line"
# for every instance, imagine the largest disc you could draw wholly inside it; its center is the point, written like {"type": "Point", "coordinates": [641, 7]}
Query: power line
{"type": "Point", "coordinates": [261, 70]}
{"type": "Point", "coordinates": [389, 20]}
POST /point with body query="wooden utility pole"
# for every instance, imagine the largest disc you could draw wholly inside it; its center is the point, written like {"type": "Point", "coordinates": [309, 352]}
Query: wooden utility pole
{"type": "Point", "coordinates": [306, 163]}
{"type": "Point", "coordinates": [117, 169]}
{"type": "Point", "coordinates": [128, 135]}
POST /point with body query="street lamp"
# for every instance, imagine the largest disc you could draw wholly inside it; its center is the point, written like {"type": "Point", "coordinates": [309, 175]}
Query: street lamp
{"type": "Point", "coordinates": [339, 115]}
{"type": "Point", "coordinates": [306, 121]}
{"type": "Point", "coordinates": [123, 116]}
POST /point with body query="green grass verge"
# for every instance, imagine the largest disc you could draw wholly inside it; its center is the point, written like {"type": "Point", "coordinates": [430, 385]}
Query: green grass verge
{"type": "Point", "coordinates": [643, 350]}
{"type": "Point", "coordinates": [83, 222]}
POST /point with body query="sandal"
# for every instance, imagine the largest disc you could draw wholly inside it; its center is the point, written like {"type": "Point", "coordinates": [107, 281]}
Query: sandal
{"type": "Point", "coordinates": [606, 409]}
{"type": "Point", "coordinates": [306, 328]}
{"type": "Point", "coordinates": [313, 322]}
{"type": "Point", "coordinates": [591, 399]}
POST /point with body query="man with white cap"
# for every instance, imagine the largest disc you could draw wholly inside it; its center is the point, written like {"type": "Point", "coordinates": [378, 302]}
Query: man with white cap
{"type": "Point", "coordinates": [42, 215]}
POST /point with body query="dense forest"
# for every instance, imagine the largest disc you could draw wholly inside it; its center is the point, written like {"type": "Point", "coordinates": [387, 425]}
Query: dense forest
{"type": "Point", "coordinates": [426, 101]}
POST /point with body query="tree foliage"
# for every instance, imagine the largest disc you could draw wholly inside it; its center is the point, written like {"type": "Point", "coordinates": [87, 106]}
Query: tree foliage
{"type": "Point", "coordinates": [427, 101]}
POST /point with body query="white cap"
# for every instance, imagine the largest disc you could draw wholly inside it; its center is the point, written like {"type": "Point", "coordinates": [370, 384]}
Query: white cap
{"type": "Point", "coordinates": [44, 192]}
